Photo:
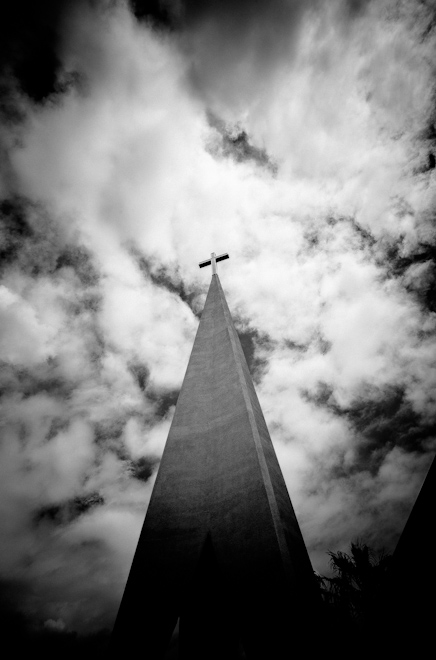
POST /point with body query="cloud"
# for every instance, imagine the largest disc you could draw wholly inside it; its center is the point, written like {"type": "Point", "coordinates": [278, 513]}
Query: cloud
{"type": "Point", "coordinates": [30, 37]}
{"type": "Point", "coordinates": [234, 48]}
{"type": "Point", "coordinates": [231, 142]}
{"type": "Point", "coordinates": [53, 624]}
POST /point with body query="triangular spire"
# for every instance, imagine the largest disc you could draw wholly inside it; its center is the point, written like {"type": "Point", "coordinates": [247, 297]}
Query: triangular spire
{"type": "Point", "coordinates": [219, 478]}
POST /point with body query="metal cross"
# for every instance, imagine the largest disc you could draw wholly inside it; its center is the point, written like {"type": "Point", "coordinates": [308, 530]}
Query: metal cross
{"type": "Point", "coordinates": [213, 260]}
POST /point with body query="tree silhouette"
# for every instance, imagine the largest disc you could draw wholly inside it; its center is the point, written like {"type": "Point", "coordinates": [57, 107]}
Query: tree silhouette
{"type": "Point", "coordinates": [353, 597]}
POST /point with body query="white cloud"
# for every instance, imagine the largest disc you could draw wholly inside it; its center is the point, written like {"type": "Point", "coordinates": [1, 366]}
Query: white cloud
{"type": "Point", "coordinates": [24, 338]}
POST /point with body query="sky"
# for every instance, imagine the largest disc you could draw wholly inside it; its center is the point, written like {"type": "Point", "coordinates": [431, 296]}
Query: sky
{"type": "Point", "coordinates": [138, 137]}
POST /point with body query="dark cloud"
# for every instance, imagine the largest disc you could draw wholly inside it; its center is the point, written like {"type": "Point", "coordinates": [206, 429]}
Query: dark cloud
{"type": "Point", "coordinates": [188, 13]}
{"type": "Point", "coordinates": [364, 235]}
{"type": "Point", "coordinates": [141, 374]}
{"type": "Point", "coordinates": [89, 301]}
{"type": "Point", "coordinates": [57, 425]}
{"type": "Point", "coordinates": [234, 46]}
{"type": "Point", "coordinates": [107, 432]}
{"type": "Point", "coordinates": [30, 37]}
{"type": "Point", "coordinates": [234, 143]}
{"type": "Point", "coordinates": [392, 256]}
{"type": "Point", "coordinates": [321, 344]}
{"type": "Point", "coordinates": [323, 396]}
{"type": "Point", "coordinates": [158, 12]}
{"type": "Point", "coordinates": [11, 109]}
{"type": "Point", "coordinates": [15, 228]}
{"type": "Point", "coordinates": [144, 467]}
{"type": "Point", "coordinates": [43, 377]}
{"type": "Point", "coordinates": [163, 400]}
{"type": "Point", "coordinates": [420, 282]}
{"type": "Point", "coordinates": [427, 139]}
{"type": "Point", "coordinates": [355, 8]}
{"type": "Point", "coordinates": [33, 242]}
{"type": "Point", "coordinates": [318, 236]}
{"type": "Point", "coordinates": [429, 132]}
{"type": "Point", "coordinates": [251, 341]}
{"type": "Point", "coordinates": [381, 420]}
{"type": "Point", "coordinates": [162, 277]}
{"type": "Point", "coordinates": [240, 16]}
{"type": "Point", "coordinates": [386, 419]}
{"type": "Point", "coordinates": [80, 260]}
{"type": "Point", "coordinates": [295, 346]}
{"type": "Point", "coordinates": [66, 512]}
{"type": "Point", "coordinates": [431, 161]}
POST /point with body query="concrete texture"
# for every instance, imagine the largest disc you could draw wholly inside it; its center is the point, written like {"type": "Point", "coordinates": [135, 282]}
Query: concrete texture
{"type": "Point", "coordinates": [220, 547]}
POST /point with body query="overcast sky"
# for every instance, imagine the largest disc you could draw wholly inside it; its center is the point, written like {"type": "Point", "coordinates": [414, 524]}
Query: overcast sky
{"type": "Point", "coordinates": [298, 136]}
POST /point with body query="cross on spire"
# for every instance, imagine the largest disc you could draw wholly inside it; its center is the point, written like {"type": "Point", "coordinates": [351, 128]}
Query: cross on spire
{"type": "Point", "coordinates": [213, 261]}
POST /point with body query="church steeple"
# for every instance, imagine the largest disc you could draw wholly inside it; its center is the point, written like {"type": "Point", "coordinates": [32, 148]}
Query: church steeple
{"type": "Point", "coordinates": [219, 515]}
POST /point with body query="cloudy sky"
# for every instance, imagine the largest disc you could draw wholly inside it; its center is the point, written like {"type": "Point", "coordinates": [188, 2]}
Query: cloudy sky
{"type": "Point", "coordinates": [136, 138]}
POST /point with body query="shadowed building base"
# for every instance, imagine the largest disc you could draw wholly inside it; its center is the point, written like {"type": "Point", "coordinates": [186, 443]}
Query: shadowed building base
{"type": "Point", "coordinates": [208, 620]}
